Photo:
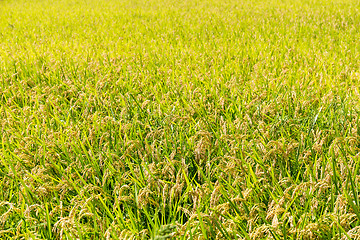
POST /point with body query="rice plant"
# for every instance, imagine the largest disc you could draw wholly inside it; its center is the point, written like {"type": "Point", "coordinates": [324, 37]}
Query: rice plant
{"type": "Point", "coordinates": [163, 119]}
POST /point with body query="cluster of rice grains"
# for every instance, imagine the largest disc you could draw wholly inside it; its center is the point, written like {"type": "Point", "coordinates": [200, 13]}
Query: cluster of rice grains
{"type": "Point", "coordinates": [179, 119]}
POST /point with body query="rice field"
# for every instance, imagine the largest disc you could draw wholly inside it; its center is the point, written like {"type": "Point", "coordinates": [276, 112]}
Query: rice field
{"type": "Point", "coordinates": [190, 119]}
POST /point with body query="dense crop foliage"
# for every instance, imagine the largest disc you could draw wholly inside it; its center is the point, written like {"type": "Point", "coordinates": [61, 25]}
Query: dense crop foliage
{"type": "Point", "coordinates": [201, 119]}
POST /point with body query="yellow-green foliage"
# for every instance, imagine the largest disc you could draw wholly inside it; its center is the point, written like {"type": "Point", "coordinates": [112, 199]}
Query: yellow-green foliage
{"type": "Point", "coordinates": [194, 119]}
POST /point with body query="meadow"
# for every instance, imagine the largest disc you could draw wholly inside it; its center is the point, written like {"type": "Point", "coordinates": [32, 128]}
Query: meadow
{"type": "Point", "coordinates": [190, 119]}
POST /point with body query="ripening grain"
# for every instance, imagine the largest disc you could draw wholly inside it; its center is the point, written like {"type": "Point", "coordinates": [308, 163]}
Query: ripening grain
{"type": "Point", "coordinates": [202, 119]}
